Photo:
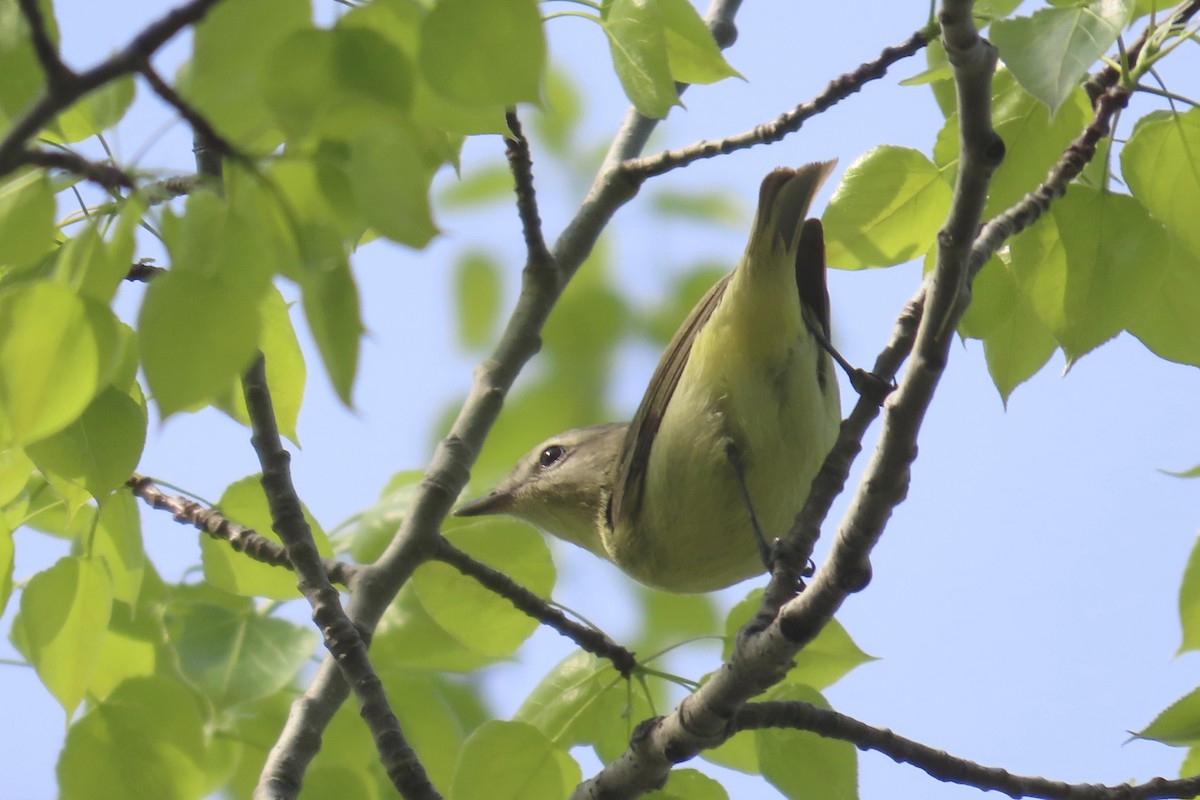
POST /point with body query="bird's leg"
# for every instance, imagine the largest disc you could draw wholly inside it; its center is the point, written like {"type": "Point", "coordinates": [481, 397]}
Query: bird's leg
{"type": "Point", "coordinates": [735, 461]}
{"type": "Point", "coordinates": [865, 383]}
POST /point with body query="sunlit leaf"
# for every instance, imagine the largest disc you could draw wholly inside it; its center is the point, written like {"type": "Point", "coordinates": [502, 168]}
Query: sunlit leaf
{"type": "Point", "coordinates": [638, 43]}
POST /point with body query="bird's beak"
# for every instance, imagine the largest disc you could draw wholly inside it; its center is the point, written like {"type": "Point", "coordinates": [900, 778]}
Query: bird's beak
{"type": "Point", "coordinates": [494, 503]}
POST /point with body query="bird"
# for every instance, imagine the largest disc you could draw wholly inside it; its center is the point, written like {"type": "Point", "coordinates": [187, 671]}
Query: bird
{"type": "Point", "coordinates": [740, 413]}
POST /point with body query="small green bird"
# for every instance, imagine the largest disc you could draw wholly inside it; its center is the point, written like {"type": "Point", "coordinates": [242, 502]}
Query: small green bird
{"type": "Point", "coordinates": [736, 421]}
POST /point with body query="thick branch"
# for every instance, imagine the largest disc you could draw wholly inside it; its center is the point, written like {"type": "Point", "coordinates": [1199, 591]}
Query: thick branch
{"type": "Point", "coordinates": [108, 176]}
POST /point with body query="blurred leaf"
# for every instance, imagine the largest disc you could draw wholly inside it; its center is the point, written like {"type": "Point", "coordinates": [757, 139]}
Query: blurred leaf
{"type": "Point", "coordinates": [555, 123]}
{"type": "Point", "coordinates": [689, 784]}
{"type": "Point", "coordinates": [484, 54]}
{"type": "Point", "coordinates": [478, 288]}
{"type": "Point", "coordinates": [886, 210]}
{"type": "Point", "coordinates": [245, 503]}
{"type": "Point", "coordinates": [146, 739]}
{"type": "Point", "coordinates": [96, 112]}
{"type": "Point", "coordinates": [285, 368]}
{"type": "Point", "coordinates": [231, 52]}
{"type": "Point", "coordinates": [7, 551]}
{"type": "Point", "coordinates": [96, 269]}
{"type": "Point", "coordinates": [23, 75]}
{"type": "Point", "coordinates": [135, 645]}
{"type": "Point", "coordinates": [332, 310]}
{"type": "Point", "coordinates": [61, 625]}
{"type": "Point", "coordinates": [691, 49]}
{"type": "Point", "coordinates": [391, 182]}
{"type": "Point", "coordinates": [487, 184]}
{"type": "Point", "coordinates": [502, 760]}
{"type": "Point", "coordinates": [801, 764]}
{"type": "Point", "coordinates": [119, 542]}
{"type": "Point", "coordinates": [1161, 162]}
{"type": "Point", "coordinates": [26, 218]}
{"type": "Point", "coordinates": [337, 82]}
{"type": "Point", "coordinates": [197, 335]}
{"type": "Point", "coordinates": [1189, 601]}
{"type": "Point", "coordinates": [236, 657]}
{"type": "Point", "coordinates": [667, 619]}
{"type": "Point", "coordinates": [98, 450]}
{"type": "Point", "coordinates": [56, 351]}
{"type": "Point", "coordinates": [699, 206]}
{"type": "Point", "coordinates": [1090, 266]}
{"type": "Point", "coordinates": [15, 468]}
{"type": "Point", "coordinates": [1051, 50]}
{"type": "Point", "coordinates": [1178, 725]}
{"type": "Point", "coordinates": [478, 617]}
{"type": "Point", "coordinates": [638, 43]}
{"type": "Point", "coordinates": [738, 752]}
{"type": "Point", "coordinates": [687, 289]}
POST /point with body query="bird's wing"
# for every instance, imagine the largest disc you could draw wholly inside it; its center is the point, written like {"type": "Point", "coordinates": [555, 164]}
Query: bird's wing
{"type": "Point", "coordinates": [635, 452]}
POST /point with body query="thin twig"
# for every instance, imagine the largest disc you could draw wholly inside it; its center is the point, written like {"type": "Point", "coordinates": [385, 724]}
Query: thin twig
{"type": "Point", "coordinates": [202, 127]}
{"type": "Point", "coordinates": [789, 122]}
{"type": "Point", "coordinates": [589, 639]}
{"type": "Point", "coordinates": [217, 525]}
{"type": "Point", "coordinates": [940, 764]}
{"type": "Point", "coordinates": [108, 176]}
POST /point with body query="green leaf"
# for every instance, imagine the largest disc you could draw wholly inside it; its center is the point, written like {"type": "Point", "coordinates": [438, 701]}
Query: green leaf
{"type": "Point", "coordinates": [1161, 162]}
{"type": "Point", "coordinates": [136, 645]}
{"type": "Point", "coordinates": [285, 368]}
{"type": "Point", "coordinates": [1178, 724]}
{"type": "Point", "coordinates": [367, 534]}
{"type": "Point", "coordinates": [1090, 266]}
{"type": "Point", "coordinates": [1016, 343]}
{"type": "Point", "coordinates": [26, 218]}
{"type": "Point", "coordinates": [503, 760]}
{"type": "Point", "coordinates": [218, 239]}
{"type": "Point", "coordinates": [96, 112]}
{"type": "Point", "coordinates": [487, 184]}
{"type": "Point", "coordinates": [146, 739]}
{"type": "Point", "coordinates": [119, 542]}
{"type": "Point", "coordinates": [637, 41]}
{"type": "Point", "coordinates": [236, 657]}
{"type": "Point", "coordinates": [98, 270]}
{"type": "Point", "coordinates": [331, 308]}
{"type": "Point", "coordinates": [23, 75]}
{"type": "Point", "coordinates": [60, 627]}
{"type": "Point", "coordinates": [1051, 50]}
{"type": "Point", "coordinates": [714, 206]}
{"type": "Point", "coordinates": [428, 720]}
{"type": "Point", "coordinates": [583, 701]}
{"type": "Point", "coordinates": [7, 551]}
{"type": "Point", "coordinates": [98, 450]}
{"type": "Point", "coordinates": [484, 54]}
{"type": "Point", "coordinates": [689, 784]}
{"type": "Point", "coordinates": [691, 50]}
{"type": "Point", "coordinates": [335, 82]}
{"type": "Point", "coordinates": [556, 122]}
{"type": "Point", "coordinates": [197, 334]}
{"type": "Point", "coordinates": [245, 503]}
{"type": "Point", "coordinates": [667, 619]}
{"type": "Point", "coordinates": [231, 51]}
{"type": "Point", "coordinates": [887, 209]}
{"type": "Point", "coordinates": [56, 351]}
{"type": "Point", "coordinates": [1189, 602]}
{"type": "Point", "coordinates": [1034, 140]}
{"type": "Point", "coordinates": [391, 182]}
{"type": "Point", "coordinates": [1170, 321]}
{"type": "Point", "coordinates": [15, 468]}
{"type": "Point", "coordinates": [801, 764]}
{"type": "Point", "coordinates": [823, 661]}
{"type": "Point", "coordinates": [478, 617]}
{"type": "Point", "coordinates": [478, 286]}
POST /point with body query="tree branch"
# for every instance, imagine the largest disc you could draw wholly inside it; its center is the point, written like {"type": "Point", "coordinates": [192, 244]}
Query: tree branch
{"type": "Point", "coordinates": [787, 123]}
{"type": "Point", "coordinates": [60, 94]}
{"type": "Point", "coordinates": [108, 176]}
{"type": "Point", "coordinates": [343, 640]}
{"type": "Point", "coordinates": [940, 764]}
{"type": "Point", "coordinates": [761, 657]}
{"type": "Point", "coordinates": [57, 73]}
{"type": "Point", "coordinates": [217, 525]}
{"type": "Point", "coordinates": [590, 639]}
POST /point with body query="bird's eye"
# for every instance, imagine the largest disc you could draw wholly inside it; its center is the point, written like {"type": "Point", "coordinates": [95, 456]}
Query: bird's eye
{"type": "Point", "coordinates": [551, 455]}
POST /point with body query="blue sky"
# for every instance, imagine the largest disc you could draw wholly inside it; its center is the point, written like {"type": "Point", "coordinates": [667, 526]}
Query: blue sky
{"type": "Point", "coordinates": [1024, 596]}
